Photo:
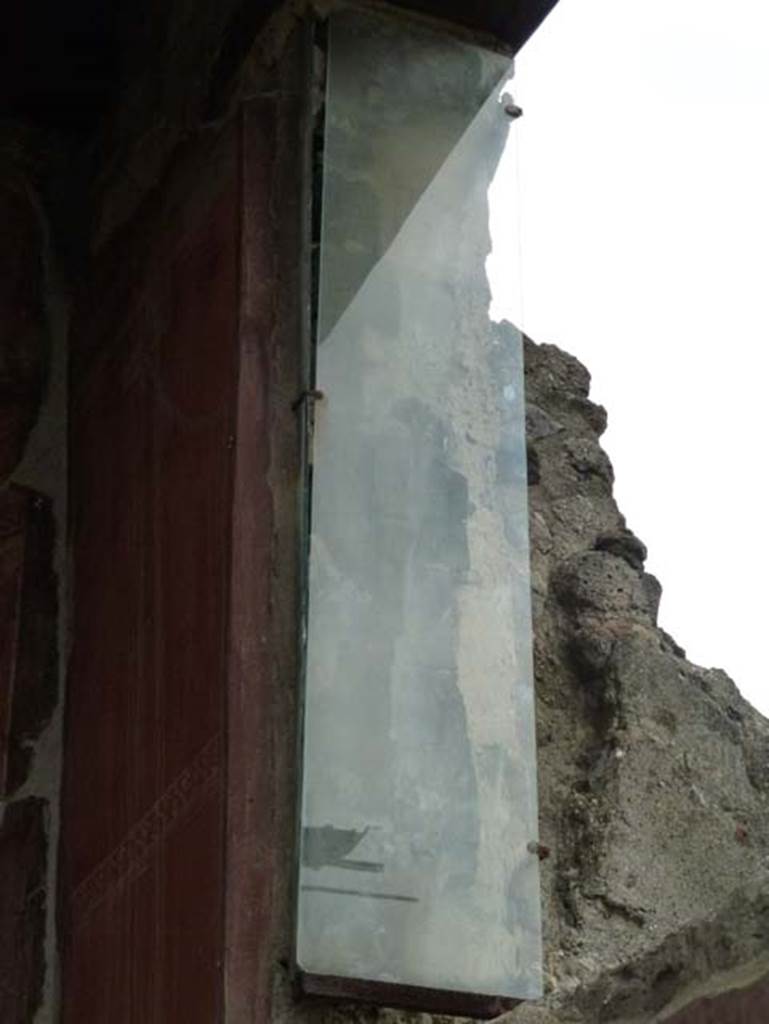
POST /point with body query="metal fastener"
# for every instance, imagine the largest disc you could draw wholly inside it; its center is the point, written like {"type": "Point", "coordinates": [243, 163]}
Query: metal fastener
{"type": "Point", "coordinates": [311, 395]}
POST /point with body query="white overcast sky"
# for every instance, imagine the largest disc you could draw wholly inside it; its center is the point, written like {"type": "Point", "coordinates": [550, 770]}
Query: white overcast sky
{"type": "Point", "coordinates": [642, 168]}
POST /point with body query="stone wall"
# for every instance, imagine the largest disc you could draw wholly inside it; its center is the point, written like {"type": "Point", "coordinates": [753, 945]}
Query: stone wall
{"type": "Point", "coordinates": [654, 772]}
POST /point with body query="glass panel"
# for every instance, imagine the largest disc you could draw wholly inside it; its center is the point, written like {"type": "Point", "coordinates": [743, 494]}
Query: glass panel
{"type": "Point", "coordinates": [419, 764]}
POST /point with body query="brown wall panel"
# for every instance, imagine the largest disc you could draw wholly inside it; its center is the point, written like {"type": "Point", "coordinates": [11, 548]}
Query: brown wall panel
{"type": "Point", "coordinates": [740, 1006]}
{"type": "Point", "coordinates": [151, 441]}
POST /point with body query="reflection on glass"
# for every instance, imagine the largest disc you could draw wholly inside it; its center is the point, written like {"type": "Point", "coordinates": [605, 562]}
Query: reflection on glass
{"type": "Point", "coordinates": [419, 792]}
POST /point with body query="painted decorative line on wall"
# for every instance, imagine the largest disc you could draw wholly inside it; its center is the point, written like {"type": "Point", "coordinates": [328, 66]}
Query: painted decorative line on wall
{"type": "Point", "coordinates": [133, 855]}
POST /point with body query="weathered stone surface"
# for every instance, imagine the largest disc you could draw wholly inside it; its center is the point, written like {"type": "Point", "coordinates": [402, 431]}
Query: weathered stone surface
{"type": "Point", "coordinates": [654, 773]}
{"type": "Point", "coordinates": [624, 545]}
{"type": "Point", "coordinates": [22, 909]}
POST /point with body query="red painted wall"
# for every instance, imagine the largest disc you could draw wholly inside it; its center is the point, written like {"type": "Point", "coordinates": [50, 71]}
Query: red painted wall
{"type": "Point", "coordinates": [151, 443]}
{"type": "Point", "coordinates": [178, 821]}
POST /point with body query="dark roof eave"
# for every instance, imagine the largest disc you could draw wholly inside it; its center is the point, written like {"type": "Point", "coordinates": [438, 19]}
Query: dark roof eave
{"type": "Point", "coordinates": [511, 22]}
